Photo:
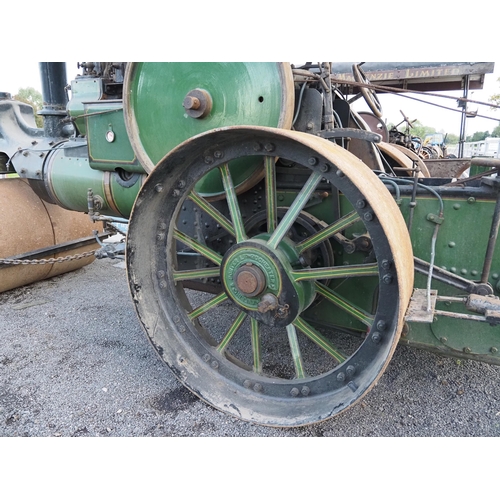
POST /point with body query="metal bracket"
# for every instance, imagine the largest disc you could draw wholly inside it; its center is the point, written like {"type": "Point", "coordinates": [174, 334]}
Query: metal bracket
{"type": "Point", "coordinates": [458, 282]}
{"type": "Point", "coordinates": [435, 218]}
{"type": "Point", "coordinates": [417, 311]}
{"type": "Point", "coordinates": [350, 133]}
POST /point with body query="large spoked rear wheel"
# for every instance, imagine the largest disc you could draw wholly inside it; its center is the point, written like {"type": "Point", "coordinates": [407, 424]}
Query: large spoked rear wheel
{"type": "Point", "coordinates": [249, 348]}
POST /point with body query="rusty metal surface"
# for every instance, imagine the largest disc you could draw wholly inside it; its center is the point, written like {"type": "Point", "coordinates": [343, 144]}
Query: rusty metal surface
{"type": "Point", "coordinates": [422, 76]}
{"type": "Point", "coordinates": [448, 168]}
{"type": "Point", "coordinates": [29, 224]}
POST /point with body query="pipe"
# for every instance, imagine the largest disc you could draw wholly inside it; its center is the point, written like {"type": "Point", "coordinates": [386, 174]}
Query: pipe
{"type": "Point", "coordinates": [55, 99]}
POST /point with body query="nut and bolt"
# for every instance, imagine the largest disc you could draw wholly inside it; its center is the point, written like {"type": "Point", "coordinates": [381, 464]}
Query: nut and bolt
{"type": "Point", "coordinates": [350, 370]}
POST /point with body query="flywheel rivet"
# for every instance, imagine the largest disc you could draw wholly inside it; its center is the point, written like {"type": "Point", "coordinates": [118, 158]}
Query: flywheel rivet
{"type": "Point", "coordinates": [208, 160]}
{"type": "Point", "coordinates": [340, 173]}
{"type": "Point", "coordinates": [305, 391]}
{"type": "Point", "coordinates": [313, 161]}
{"type": "Point", "coordinates": [376, 337]}
{"type": "Point", "coordinates": [257, 387]}
{"type": "Point", "coordinates": [294, 392]}
{"type": "Point", "coordinates": [341, 377]}
{"type": "Point", "coordinates": [350, 370]}
{"type": "Point", "coordinates": [257, 146]}
{"type": "Point", "coordinates": [206, 357]}
{"type": "Point", "coordinates": [163, 284]}
{"type": "Point", "coordinates": [361, 204]}
{"type": "Point", "coordinates": [324, 168]}
{"type": "Point", "coordinates": [269, 147]}
{"type": "Point", "coordinates": [214, 365]}
{"type": "Point", "coordinates": [218, 154]}
{"type": "Point", "coordinates": [368, 216]}
{"type": "Point", "coordinates": [381, 325]}
{"type": "Point", "coordinates": [247, 384]}
{"type": "Point", "coordinates": [158, 188]}
{"type": "Point", "coordinates": [493, 350]}
{"type": "Point", "coordinates": [160, 274]}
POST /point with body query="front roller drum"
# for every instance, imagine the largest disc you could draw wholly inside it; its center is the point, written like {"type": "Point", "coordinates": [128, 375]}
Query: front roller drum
{"type": "Point", "coordinates": [30, 224]}
{"type": "Point", "coordinates": [251, 349]}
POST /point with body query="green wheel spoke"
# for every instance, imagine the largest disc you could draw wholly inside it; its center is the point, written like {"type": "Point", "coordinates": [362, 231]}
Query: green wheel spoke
{"type": "Point", "coordinates": [232, 330]}
{"type": "Point", "coordinates": [328, 232]}
{"type": "Point", "coordinates": [323, 273]}
{"type": "Point", "coordinates": [213, 212]}
{"type": "Point", "coordinates": [257, 358]}
{"type": "Point", "coordinates": [271, 202]}
{"type": "Point", "coordinates": [318, 339]}
{"type": "Point", "coordinates": [217, 300]}
{"type": "Point", "coordinates": [294, 210]}
{"type": "Point", "coordinates": [344, 304]}
{"type": "Point", "coordinates": [211, 272]}
{"type": "Point", "coordinates": [296, 355]}
{"type": "Point", "coordinates": [202, 249]}
{"type": "Point", "coordinates": [232, 202]}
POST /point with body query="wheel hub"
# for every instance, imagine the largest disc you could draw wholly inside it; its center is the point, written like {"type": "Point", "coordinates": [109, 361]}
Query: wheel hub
{"type": "Point", "coordinates": [252, 274]}
{"type": "Point", "coordinates": [250, 280]}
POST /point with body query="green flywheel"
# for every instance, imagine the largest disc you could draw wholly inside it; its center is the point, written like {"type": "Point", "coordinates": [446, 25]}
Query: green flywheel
{"type": "Point", "coordinates": [168, 103]}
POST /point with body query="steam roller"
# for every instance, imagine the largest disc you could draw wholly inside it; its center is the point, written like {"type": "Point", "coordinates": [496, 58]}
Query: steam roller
{"type": "Point", "coordinates": [278, 247]}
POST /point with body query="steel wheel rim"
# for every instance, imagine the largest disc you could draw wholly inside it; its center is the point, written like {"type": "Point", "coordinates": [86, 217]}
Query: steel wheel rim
{"type": "Point", "coordinates": [194, 356]}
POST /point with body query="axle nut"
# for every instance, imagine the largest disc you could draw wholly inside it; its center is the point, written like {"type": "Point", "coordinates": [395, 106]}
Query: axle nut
{"type": "Point", "coordinates": [250, 280]}
{"type": "Point", "coordinates": [197, 103]}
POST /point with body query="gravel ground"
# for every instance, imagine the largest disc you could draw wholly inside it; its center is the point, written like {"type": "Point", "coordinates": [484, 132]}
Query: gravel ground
{"type": "Point", "coordinates": [74, 361]}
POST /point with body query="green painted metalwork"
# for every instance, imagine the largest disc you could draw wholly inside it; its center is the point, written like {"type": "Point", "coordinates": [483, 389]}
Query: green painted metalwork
{"type": "Point", "coordinates": [108, 142]}
{"type": "Point", "coordinates": [71, 177]}
{"type": "Point", "coordinates": [460, 248]}
{"type": "Point", "coordinates": [319, 339]}
{"type": "Point", "coordinates": [328, 232]}
{"type": "Point", "coordinates": [211, 272]}
{"type": "Point", "coordinates": [335, 272]}
{"type": "Point", "coordinates": [256, 349]}
{"type": "Point", "coordinates": [271, 201]}
{"type": "Point", "coordinates": [339, 301]}
{"type": "Point", "coordinates": [294, 210]}
{"type": "Point", "coordinates": [232, 330]}
{"type": "Point", "coordinates": [213, 212]}
{"type": "Point", "coordinates": [199, 311]}
{"type": "Point", "coordinates": [259, 258]}
{"type": "Point", "coordinates": [295, 350]}
{"type": "Point", "coordinates": [83, 90]}
{"type": "Point", "coordinates": [240, 94]}
{"type": "Point", "coordinates": [199, 247]}
{"type": "Point", "coordinates": [232, 202]}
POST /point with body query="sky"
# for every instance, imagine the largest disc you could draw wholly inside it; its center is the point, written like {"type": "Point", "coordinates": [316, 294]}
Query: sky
{"type": "Point", "coordinates": [27, 75]}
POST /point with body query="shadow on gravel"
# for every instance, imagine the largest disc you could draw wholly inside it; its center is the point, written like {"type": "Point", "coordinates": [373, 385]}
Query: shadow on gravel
{"type": "Point", "coordinates": [174, 401]}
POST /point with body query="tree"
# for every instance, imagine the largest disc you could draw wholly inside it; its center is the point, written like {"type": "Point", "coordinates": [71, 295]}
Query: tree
{"type": "Point", "coordinates": [495, 98]}
{"type": "Point", "coordinates": [477, 136]}
{"type": "Point", "coordinates": [452, 139]}
{"type": "Point", "coordinates": [496, 131]}
{"type": "Point", "coordinates": [31, 96]}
